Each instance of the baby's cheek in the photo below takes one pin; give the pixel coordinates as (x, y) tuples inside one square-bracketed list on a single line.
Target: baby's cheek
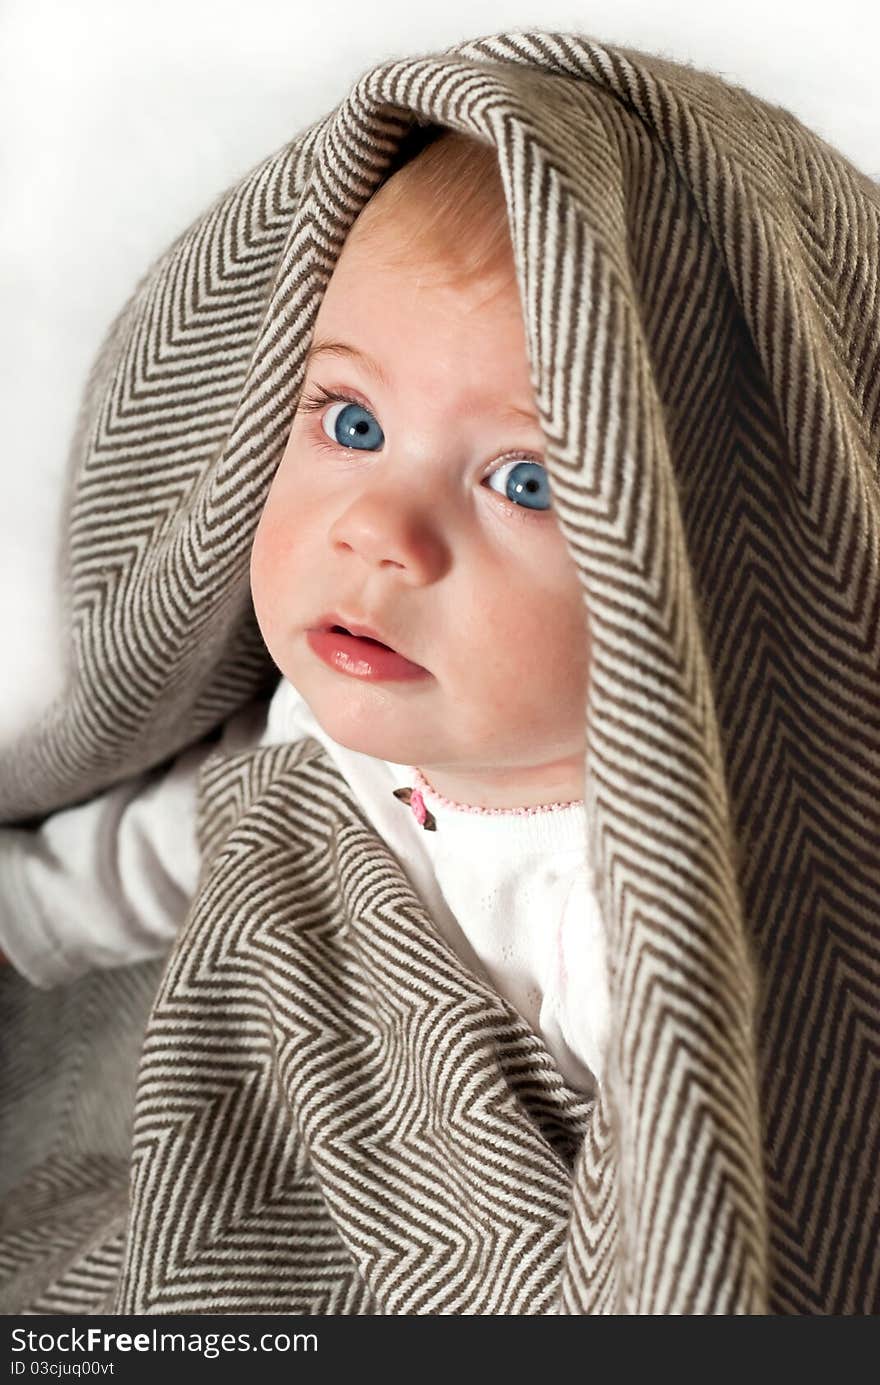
[(552, 653), (266, 567)]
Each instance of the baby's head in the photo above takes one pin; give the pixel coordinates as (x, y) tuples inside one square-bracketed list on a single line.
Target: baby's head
[(412, 499)]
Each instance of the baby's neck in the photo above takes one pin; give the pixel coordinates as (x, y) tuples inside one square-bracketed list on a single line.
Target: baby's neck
[(518, 787)]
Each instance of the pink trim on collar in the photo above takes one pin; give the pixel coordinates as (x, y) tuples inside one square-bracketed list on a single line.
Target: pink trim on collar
[(425, 789)]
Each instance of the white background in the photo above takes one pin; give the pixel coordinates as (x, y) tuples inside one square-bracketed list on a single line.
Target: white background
[(121, 121)]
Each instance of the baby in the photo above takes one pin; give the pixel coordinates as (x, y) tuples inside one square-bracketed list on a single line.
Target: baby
[(412, 500), (414, 589)]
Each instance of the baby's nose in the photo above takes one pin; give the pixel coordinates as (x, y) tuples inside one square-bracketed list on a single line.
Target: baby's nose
[(394, 530)]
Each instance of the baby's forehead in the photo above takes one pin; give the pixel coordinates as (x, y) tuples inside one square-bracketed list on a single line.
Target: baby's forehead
[(405, 228), (393, 249), (388, 239), (443, 212)]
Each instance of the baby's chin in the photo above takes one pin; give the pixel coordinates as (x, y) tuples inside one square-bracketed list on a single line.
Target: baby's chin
[(375, 723)]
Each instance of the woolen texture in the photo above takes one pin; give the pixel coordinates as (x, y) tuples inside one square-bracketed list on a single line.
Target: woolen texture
[(332, 1114)]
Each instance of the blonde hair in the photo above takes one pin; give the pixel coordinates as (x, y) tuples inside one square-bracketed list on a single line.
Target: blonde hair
[(450, 199)]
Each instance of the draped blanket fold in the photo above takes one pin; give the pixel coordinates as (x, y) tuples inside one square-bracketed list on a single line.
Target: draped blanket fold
[(332, 1114)]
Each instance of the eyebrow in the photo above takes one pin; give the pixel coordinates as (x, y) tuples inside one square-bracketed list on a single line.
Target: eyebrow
[(341, 348)]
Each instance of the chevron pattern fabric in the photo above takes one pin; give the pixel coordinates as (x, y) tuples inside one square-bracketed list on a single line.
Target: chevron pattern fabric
[(333, 1115)]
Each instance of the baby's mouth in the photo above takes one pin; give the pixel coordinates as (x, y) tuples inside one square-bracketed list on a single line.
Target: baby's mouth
[(367, 639), (358, 652)]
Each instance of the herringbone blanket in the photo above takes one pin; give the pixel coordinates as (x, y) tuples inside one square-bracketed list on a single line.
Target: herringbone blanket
[(333, 1115)]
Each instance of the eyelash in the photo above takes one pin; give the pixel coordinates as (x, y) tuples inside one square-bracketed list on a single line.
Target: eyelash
[(315, 403)]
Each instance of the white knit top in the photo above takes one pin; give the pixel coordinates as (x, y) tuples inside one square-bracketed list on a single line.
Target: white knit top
[(110, 881)]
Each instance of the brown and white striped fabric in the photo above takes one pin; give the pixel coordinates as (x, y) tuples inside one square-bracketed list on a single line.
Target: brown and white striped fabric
[(332, 1114)]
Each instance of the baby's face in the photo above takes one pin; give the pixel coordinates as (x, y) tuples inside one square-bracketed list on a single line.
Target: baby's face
[(420, 510)]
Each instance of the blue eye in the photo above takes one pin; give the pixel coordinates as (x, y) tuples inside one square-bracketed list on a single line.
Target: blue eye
[(526, 484), (352, 426)]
